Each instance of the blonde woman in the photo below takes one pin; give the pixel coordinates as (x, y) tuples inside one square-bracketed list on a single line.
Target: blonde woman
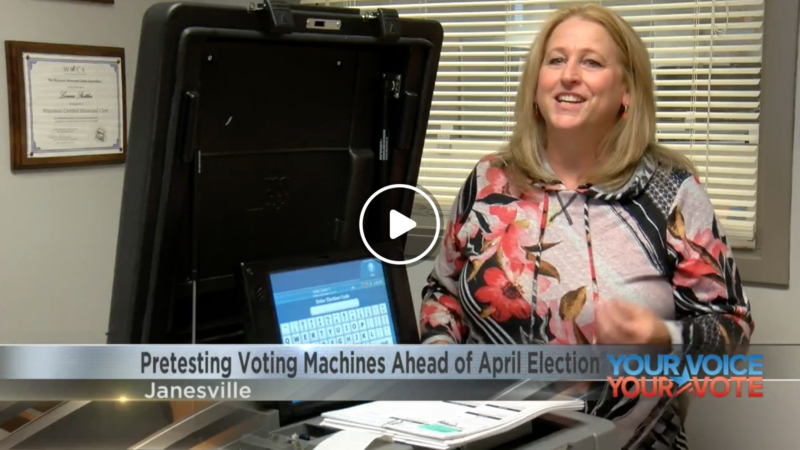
[(584, 230)]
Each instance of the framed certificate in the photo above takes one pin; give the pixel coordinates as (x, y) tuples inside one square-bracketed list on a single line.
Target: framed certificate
[(67, 105)]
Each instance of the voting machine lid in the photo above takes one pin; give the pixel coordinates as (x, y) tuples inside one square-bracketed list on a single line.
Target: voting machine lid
[(259, 131)]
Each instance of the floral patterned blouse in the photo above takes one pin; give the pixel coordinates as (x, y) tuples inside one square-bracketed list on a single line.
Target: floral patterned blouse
[(529, 268)]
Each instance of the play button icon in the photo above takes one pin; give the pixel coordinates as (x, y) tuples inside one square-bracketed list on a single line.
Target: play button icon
[(398, 224)]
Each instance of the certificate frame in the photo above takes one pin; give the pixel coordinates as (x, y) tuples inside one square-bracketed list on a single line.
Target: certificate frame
[(25, 156)]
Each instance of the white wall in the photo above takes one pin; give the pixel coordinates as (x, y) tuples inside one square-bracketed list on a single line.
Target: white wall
[(58, 229)]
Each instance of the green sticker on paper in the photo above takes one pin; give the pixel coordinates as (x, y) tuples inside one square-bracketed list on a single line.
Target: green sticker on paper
[(439, 428)]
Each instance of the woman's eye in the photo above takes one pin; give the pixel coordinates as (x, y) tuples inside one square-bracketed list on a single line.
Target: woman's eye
[(592, 63), (556, 60)]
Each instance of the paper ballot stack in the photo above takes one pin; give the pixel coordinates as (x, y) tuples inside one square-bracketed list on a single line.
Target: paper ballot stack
[(441, 425)]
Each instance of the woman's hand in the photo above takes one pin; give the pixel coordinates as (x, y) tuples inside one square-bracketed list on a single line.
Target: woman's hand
[(624, 323)]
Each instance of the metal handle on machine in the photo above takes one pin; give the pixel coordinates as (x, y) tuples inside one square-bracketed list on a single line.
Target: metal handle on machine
[(278, 14), (389, 21)]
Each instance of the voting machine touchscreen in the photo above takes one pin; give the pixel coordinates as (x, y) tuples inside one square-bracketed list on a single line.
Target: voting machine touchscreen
[(340, 298)]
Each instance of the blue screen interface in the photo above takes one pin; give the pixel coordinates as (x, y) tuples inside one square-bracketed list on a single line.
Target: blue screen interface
[(341, 303)]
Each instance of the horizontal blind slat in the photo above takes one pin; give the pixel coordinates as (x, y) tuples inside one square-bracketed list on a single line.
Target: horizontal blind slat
[(695, 71), (694, 94), (695, 60), (635, 6), (516, 21), (750, 127), (691, 50)]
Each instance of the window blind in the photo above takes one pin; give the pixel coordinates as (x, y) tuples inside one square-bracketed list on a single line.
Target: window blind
[(706, 60)]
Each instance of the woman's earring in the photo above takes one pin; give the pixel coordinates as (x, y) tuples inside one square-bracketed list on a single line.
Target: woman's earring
[(625, 111), (536, 110)]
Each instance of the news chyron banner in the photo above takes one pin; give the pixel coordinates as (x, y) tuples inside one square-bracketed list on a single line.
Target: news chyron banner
[(366, 372)]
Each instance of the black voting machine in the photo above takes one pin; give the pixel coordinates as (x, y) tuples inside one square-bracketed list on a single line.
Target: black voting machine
[(254, 136), (255, 139)]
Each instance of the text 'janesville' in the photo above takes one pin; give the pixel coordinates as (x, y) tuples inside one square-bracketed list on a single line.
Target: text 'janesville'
[(346, 363)]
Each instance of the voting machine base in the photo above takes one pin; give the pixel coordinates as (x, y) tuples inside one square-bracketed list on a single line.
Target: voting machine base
[(555, 431), (82, 425)]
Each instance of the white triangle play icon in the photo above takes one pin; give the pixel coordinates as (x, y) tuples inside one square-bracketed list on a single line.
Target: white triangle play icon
[(399, 224)]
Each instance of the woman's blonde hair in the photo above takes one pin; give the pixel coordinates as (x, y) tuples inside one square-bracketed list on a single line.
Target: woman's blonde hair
[(629, 140)]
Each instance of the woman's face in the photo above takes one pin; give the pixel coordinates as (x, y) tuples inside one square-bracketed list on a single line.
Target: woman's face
[(581, 79)]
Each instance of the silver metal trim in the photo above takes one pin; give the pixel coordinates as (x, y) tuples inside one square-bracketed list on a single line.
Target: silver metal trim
[(35, 426), (324, 24), (177, 431)]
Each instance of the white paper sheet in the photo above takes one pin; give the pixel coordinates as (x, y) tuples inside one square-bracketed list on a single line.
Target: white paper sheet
[(348, 440), (441, 425)]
